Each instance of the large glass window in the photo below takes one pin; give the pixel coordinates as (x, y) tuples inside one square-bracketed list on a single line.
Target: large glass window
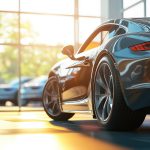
[(136, 8), (34, 32), (8, 63), (128, 3), (50, 30), (9, 5), (89, 7), (86, 27), (8, 28), (148, 8), (37, 61), (134, 12), (48, 6)]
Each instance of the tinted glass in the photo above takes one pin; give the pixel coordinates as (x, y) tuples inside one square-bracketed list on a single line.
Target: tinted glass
[(101, 37), (96, 42), (120, 31), (133, 27), (106, 35)]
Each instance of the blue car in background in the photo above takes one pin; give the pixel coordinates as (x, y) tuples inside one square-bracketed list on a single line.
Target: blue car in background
[(9, 92), (32, 90)]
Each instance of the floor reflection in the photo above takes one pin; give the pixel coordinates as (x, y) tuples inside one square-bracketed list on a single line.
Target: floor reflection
[(139, 139), (35, 130)]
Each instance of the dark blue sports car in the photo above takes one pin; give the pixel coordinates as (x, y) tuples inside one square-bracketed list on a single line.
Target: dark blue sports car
[(9, 92), (109, 76)]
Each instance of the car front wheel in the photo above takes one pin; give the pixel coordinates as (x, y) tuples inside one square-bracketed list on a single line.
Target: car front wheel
[(51, 101), (110, 107)]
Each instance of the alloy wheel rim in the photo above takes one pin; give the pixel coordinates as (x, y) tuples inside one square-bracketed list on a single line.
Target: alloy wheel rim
[(51, 98), (104, 91)]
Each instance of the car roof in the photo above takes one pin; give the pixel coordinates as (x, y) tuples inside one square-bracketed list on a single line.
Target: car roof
[(144, 20)]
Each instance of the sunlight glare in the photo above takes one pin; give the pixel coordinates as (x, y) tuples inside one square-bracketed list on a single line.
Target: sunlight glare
[(32, 141)]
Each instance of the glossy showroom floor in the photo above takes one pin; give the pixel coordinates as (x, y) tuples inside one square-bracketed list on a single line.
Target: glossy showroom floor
[(34, 130)]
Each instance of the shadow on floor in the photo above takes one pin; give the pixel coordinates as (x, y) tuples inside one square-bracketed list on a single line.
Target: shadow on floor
[(139, 139)]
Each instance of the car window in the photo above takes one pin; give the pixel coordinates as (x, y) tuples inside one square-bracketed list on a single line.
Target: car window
[(132, 27), (120, 31), (39, 80), (100, 37), (96, 42), (15, 82), (108, 34)]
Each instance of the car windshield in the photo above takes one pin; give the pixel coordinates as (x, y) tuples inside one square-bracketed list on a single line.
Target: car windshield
[(39, 80), (15, 82)]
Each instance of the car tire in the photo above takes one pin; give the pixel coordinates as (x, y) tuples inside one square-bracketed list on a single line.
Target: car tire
[(2, 103), (109, 104), (15, 100), (51, 101), (23, 102)]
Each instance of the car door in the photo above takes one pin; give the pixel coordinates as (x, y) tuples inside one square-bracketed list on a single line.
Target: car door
[(77, 81)]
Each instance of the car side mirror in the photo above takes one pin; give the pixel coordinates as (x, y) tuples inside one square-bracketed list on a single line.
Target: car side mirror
[(69, 51)]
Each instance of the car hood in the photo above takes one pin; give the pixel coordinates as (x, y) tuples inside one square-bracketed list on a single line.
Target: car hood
[(7, 86)]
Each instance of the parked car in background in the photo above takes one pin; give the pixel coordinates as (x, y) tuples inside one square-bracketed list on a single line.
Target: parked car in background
[(32, 90), (9, 92)]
